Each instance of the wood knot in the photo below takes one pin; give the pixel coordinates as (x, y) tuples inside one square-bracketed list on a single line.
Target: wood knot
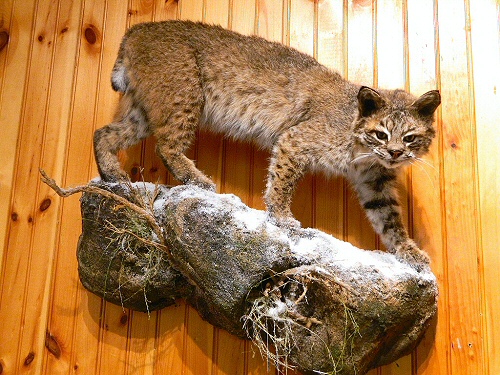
[(52, 345), (4, 39), (91, 34), (45, 204), (124, 319), (29, 358), (14, 216)]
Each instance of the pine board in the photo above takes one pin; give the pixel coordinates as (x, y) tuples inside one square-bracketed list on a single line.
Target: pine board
[(54, 91)]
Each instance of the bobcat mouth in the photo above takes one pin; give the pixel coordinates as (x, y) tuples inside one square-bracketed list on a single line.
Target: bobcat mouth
[(395, 163)]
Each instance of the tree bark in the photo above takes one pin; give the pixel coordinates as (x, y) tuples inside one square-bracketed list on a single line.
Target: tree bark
[(324, 304)]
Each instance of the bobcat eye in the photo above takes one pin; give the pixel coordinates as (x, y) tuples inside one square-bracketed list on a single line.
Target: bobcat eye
[(381, 135), (409, 138)]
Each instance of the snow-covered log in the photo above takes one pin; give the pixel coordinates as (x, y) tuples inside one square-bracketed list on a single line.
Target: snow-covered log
[(325, 305)]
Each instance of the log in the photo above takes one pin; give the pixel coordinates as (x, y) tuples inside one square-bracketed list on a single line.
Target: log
[(323, 304)]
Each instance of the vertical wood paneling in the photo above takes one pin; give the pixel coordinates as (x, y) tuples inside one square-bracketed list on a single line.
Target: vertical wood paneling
[(229, 352), (460, 190), (136, 159), (433, 354), (171, 322), (301, 29), (485, 35), (79, 332), (360, 68), (170, 340), (199, 342), (12, 87), (330, 49), (54, 91), (391, 73), (43, 125), (115, 321)]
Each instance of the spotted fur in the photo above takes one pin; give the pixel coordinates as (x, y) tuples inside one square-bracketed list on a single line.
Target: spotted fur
[(178, 75)]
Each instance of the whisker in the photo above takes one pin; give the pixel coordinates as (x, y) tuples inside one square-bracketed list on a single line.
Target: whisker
[(372, 164), (416, 161), (423, 161), (361, 156)]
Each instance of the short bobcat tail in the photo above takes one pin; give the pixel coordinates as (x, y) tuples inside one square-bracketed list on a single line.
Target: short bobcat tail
[(119, 76)]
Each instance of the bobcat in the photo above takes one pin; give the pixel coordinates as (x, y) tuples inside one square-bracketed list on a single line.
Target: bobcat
[(178, 75)]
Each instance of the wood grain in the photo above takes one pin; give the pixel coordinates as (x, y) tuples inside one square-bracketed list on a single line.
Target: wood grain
[(484, 16), (54, 91), (12, 83), (460, 190)]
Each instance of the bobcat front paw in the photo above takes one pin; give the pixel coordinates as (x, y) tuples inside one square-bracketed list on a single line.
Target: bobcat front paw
[(409, 253), (115, 176), (204, 183), (286, 222)]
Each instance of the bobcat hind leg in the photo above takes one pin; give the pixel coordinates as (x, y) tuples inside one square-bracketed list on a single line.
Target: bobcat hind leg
[(131, 128), (171, 150), (175, 137)]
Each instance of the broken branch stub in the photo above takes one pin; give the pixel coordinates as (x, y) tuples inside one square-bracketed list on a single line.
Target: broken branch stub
[(324, 304)]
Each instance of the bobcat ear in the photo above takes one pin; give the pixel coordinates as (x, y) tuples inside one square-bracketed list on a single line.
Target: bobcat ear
[(427, 103), (369, 101)]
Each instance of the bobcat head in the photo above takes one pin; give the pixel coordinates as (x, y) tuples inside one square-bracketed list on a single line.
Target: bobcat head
[(392, 127)]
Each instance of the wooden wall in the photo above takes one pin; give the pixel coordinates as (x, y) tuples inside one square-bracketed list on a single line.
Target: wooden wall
[(55, 90)]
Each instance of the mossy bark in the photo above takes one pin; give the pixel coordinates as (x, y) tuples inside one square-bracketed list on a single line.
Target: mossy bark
[(328, 306)]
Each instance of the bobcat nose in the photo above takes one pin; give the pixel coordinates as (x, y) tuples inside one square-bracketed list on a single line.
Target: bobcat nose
[(395, 153)]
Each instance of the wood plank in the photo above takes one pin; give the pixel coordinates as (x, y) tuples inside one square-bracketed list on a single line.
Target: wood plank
[(171, 328), (198, 344), (301, 27), (360, 68), (134, 158), (191, 10), (154, 170), (75, 313), (229, 356), (259, 159), (142, 334), (392, 74), (329, 192), (171, 338), (28, 262), (12, 87), (360, 60), (113, 340), (460, 198), (432, 354), (141, 349), (116, 322), (65, 39), (271, 15), (166, 10), (330, 40), (243, 16), (486, 68)]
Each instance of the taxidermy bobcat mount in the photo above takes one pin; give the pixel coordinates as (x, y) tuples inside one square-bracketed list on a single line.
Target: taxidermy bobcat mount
[(178, 75)]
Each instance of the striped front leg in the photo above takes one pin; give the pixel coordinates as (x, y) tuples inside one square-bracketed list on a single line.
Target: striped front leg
[(376, 188)]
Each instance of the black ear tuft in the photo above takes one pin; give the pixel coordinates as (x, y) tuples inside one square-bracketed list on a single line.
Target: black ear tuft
[(427, 103), (369, 101)]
